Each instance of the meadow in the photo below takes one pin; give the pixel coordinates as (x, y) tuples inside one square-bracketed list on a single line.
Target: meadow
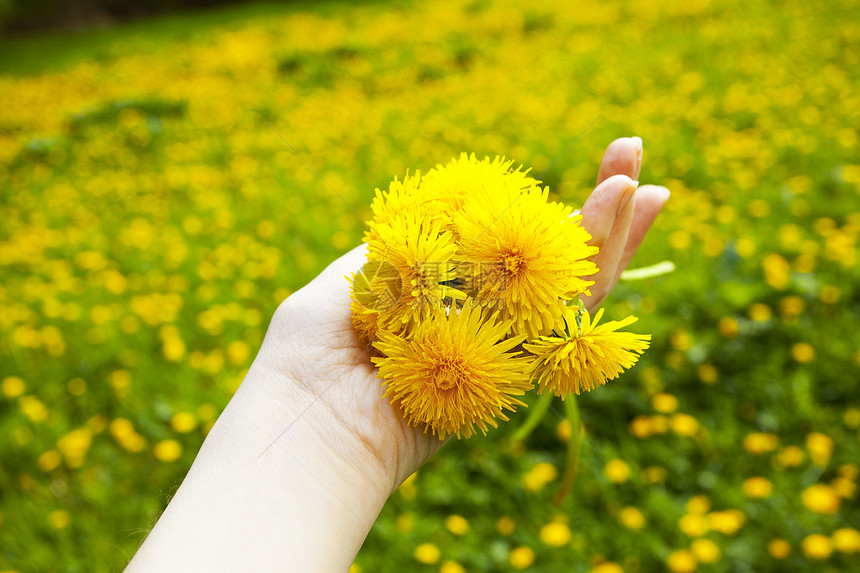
[(164, 185)]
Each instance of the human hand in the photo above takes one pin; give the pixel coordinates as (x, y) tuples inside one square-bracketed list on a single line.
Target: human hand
[(617, 214), (307, 451)]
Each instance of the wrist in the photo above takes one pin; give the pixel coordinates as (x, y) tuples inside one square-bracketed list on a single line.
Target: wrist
[(270, 468)]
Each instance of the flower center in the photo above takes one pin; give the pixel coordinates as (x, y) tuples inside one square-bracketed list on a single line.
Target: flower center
[(514, 261), (449, 375)]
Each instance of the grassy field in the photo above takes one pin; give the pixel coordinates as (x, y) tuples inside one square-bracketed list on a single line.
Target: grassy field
[(154, 214)]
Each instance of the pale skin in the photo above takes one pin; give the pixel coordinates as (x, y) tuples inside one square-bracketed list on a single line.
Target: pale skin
[(297, 468)]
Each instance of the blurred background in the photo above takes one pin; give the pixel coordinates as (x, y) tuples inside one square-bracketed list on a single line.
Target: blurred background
[(151, 220)]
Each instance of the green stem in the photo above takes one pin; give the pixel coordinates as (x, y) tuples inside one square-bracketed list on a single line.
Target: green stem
[(661, 268), (536, 414), (571, 469)]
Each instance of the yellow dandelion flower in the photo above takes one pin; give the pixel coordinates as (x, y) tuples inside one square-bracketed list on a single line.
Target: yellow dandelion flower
[(555, 533), (631, 518), (454, 372), (427, 553), (846, 540), (640, 426), (467, 177), (790, 456), (684, 424), (665, 403), (617, 471), (820, 448), (540, 475), (421, 253), (13, 386), (727, 522), (376, 286), (457, 524), (524, 255), (779, 548), (705, 550), (699, 504), (757, 487), (817, 546), (844, 487), (821, 498), (364, 322), (451, 567), (167, 450), (50, 460), (694, 524), (760, 443), (521, 557), (803, 352), (183, 422), (682, 561), (595, 355), (403, 196)]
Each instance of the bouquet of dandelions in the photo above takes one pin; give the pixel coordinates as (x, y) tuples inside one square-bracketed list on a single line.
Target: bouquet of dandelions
[(470, 298)]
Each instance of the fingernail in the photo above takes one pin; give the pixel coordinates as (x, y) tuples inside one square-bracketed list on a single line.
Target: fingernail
[(628, 195), (638, 142), (665, 193)]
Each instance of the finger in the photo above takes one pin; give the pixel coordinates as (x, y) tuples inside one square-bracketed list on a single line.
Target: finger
[(650, 200), (347, 264), (607, 215), (609, 257), (622, 157), (330, 288), (604, 204)]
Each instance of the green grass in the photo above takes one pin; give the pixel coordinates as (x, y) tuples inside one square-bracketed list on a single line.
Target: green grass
[(57, 51), (152, 220)]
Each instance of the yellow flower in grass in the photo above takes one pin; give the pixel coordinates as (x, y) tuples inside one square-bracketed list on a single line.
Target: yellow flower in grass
[(453, 372), (817, 546), (617, 471), (555, 533), (727, 522), (451, 567), (521, 557), (427, 553), (705, 550), (757, 487), (631, 518), (779, 548), (694, 524), (820, 448), (846, 540), (524, 256), (590, 357), (457, 524), (682, 561), (540, 475), (821, 498), (420, 252)]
